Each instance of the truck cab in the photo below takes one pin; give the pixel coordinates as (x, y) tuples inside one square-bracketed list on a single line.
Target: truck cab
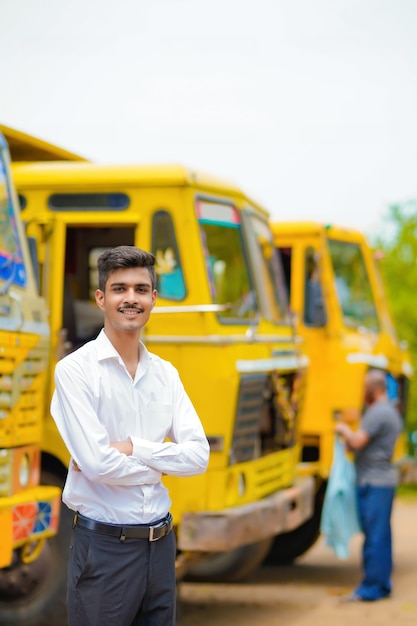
[(29, 511), (341, 312), (221, 318)]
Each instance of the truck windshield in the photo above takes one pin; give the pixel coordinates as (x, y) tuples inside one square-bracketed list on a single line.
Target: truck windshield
[(268, 271), (385, 312), (226, 262), (352, 285), (12, 269)]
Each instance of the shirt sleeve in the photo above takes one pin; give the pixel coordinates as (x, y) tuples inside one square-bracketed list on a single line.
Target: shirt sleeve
[(372, 422), (86, 439), (187, 452)]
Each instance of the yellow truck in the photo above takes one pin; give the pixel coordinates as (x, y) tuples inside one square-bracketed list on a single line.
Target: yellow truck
[(221, 318), (29, 512), (341, 312)]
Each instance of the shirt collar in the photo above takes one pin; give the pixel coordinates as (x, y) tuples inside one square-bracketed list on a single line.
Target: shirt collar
[(106, 350)]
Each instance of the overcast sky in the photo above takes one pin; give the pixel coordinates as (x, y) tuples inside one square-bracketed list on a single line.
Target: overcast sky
[(309, 105)]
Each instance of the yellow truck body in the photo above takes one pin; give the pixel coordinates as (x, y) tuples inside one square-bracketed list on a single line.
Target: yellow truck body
[(221, 319), (342, 314), (29, 511)]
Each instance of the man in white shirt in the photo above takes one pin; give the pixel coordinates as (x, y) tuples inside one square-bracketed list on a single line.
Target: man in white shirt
[(126, 420)]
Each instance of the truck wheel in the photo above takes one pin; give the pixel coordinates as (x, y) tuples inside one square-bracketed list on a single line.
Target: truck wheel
[(288, 546), (233, 566), (34, 594)]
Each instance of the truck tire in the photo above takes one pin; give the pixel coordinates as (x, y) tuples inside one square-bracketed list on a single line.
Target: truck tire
[(35, 594), (233, 566), (288, 546)]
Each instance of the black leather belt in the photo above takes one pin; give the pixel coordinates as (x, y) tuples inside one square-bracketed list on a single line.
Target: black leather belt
[(151, 533)]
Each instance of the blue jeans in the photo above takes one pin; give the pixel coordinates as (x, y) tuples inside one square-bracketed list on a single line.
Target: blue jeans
[(374, 507)]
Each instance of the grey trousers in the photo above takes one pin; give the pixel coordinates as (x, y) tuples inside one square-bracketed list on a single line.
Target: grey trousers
[(116, 583)]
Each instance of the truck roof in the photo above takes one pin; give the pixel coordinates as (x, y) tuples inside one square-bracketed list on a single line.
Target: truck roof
[(76, 176), (37, 163), (311, 228), (24, 147)]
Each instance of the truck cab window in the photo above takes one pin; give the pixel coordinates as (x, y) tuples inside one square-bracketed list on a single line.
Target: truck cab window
[(353, 286), (226, 263), (314, 311), (286, 258), (168, 268)]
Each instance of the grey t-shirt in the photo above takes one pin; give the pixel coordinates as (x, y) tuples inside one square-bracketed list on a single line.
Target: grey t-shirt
[(382, 422)]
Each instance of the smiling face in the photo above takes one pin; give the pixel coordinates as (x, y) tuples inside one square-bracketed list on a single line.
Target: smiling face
[(127, 300)]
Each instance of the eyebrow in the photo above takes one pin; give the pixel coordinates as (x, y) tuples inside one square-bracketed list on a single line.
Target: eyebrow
[(121, 284)]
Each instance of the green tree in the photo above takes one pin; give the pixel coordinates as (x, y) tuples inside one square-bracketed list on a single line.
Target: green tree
[(397, 240)]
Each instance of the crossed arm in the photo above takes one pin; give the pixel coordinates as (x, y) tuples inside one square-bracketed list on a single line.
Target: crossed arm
[(125, 447)]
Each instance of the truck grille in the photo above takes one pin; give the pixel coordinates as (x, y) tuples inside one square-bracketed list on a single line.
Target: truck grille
[(247, 438), (266, 414), (21, 390)]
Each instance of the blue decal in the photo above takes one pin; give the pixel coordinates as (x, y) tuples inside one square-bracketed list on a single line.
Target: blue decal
[(43, 519), (12, 268)]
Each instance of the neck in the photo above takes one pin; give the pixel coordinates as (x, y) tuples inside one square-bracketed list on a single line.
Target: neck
[(381, 398), (127, 345)]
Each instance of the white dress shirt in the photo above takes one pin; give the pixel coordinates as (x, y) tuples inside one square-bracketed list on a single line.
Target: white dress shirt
[(95, 402)]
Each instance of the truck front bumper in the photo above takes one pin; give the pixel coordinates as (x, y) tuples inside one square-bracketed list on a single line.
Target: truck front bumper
[(219, 531)]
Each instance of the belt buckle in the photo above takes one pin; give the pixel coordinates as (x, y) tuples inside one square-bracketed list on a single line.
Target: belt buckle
[(152, 531)]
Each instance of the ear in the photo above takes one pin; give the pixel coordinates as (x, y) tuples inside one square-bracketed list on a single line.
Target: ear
[(153, 298), (100, 299)]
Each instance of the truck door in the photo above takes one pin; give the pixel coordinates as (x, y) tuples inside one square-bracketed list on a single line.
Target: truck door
[(81, 317)]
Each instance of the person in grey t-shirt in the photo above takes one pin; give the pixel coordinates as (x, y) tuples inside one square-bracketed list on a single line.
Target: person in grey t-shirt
[(373, 444)]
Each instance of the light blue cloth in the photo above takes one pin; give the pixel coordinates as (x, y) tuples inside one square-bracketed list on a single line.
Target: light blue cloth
[(339, 517)]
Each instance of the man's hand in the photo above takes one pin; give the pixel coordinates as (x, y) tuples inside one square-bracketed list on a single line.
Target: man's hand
[(342, 429), (355, 439), (125, 447)]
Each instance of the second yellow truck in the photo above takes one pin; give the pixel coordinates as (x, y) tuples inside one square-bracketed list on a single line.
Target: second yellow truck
[(341, 312)]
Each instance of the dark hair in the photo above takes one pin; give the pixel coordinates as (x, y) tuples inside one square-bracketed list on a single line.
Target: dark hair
[(124, 256)]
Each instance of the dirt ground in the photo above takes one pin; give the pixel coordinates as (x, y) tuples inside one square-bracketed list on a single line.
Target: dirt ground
[(308, 593)]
